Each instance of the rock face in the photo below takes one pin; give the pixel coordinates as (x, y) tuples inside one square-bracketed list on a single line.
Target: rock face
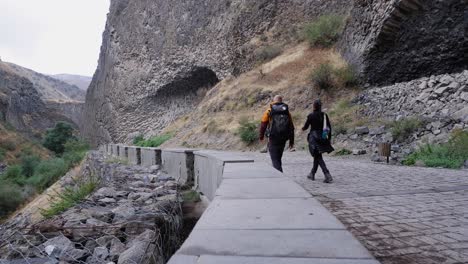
[(158, 55), (22, 107), (49, 88), (400, 40)]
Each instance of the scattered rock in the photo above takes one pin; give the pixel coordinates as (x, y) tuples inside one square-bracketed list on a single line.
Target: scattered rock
[(362, 130), (359, 151)]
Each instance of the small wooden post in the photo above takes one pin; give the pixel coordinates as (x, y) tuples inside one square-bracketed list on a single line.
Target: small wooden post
[(385, 150)]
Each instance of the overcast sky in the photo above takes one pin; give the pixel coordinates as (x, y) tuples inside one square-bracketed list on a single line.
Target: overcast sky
[(53, 36)]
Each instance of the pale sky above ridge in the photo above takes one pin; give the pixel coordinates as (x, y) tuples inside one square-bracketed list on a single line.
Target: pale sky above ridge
[(53, 36)]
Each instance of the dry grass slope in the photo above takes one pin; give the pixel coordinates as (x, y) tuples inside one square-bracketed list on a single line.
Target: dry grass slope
[(214, 123)]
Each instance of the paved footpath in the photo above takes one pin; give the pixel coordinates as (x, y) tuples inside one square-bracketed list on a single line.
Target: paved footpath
[(403, 215)]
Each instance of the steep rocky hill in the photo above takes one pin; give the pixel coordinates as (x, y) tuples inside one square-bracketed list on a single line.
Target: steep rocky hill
[(44, 98), (80, 81), (49, 88), (156, 55), (161, 60), (21, 105)]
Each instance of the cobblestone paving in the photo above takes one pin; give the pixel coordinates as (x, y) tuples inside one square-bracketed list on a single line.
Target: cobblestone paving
[(403, 215)]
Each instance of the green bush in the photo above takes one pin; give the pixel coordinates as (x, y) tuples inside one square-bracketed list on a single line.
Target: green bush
[(29, 164), (48, 172), (449, 155), (56, 137), (325, 31), (7, 145), (404, 128), (347, 76), (138, 139), (343, 152), (69, 198), (75, 151), (267, 53), (154, 142), (2, 154), (322, 76), (248, 131), (10, 198)]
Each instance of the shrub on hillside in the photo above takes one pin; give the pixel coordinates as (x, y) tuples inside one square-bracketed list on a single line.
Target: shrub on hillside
[(48, 172), (248, 131), (7, 144), (449, 155), (347, 76), (267, 53), (70, 197), (75, 151), (10, 198), (28, 164), (154, 142), (404, 128), (322, 76), (56, 137), (325, 31), (2, 154)]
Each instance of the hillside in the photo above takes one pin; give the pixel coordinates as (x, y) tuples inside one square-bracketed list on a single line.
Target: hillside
[(80, 81), (215, 121), (158, 59), (49, 88)]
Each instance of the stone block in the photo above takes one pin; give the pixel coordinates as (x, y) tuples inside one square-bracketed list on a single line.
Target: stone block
[(271, 260), (268, 214), (260, 188), (249, 171), (275, 243)]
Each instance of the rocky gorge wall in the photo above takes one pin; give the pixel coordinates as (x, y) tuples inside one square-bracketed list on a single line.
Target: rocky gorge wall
[(157, 56), (401, 40), (22, 107)]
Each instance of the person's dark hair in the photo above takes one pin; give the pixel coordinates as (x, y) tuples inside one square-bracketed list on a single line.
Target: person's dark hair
[(317, 105)]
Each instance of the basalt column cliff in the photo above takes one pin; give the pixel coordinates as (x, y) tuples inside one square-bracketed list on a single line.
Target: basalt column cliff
[(158, 55)]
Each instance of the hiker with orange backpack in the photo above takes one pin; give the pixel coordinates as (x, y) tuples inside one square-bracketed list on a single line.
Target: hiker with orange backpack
[(278, 126)]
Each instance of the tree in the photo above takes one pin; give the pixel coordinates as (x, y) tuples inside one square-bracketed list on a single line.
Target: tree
[(56, 138)]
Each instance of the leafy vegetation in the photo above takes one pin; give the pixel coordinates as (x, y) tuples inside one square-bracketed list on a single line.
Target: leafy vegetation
[(153, 142), (346, 76), (343, 152), (10, 198), (32, 172), (402, 129), (70, 197), (325, 77), (56, 137), (248, 130), (267, 53), (449, 155), (322, 76), (325, 31), (191, 196)]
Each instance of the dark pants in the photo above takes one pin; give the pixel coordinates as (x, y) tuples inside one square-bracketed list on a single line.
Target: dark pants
[(276, 150), (318, 161)]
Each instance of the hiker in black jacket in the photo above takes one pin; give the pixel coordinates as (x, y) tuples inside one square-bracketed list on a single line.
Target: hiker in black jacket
[(319, 139)]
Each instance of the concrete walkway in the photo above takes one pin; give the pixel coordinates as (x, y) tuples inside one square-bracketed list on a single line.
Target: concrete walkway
[(409, 215), (261, 216)]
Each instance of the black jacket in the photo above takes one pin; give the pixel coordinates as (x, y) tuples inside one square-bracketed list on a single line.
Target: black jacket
[(316, 143)]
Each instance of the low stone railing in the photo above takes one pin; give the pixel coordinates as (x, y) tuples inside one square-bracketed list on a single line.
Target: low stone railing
[(256, 214)]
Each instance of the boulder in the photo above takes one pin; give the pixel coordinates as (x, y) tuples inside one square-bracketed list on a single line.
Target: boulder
[(123, 212), (377, 130), (362, 130), (116, 248), (359, 151)]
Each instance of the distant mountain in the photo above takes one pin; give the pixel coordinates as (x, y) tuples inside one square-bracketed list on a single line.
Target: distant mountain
[(48, 88), (81, 81)]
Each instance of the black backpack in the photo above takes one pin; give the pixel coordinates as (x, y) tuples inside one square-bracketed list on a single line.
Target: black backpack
[(280, 122)]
